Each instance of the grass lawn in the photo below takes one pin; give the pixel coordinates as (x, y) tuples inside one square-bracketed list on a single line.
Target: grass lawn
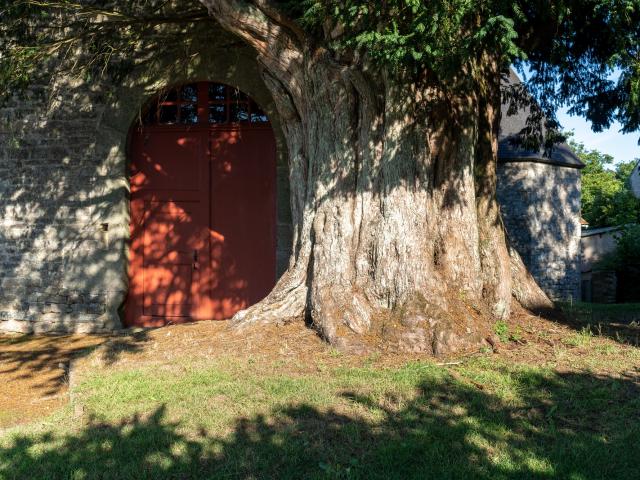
[(595, 313), (179, 405)]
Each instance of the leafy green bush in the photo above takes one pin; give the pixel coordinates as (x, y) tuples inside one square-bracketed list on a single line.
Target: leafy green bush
[(607, 199), (628, 248), (501, 329)]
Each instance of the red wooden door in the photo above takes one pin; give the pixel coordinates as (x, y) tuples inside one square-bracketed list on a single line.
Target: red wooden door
[(202, 217)]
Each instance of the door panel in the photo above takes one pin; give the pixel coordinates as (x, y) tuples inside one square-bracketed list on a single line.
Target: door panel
[(170, 272), (167, 290), (169, 253), (165, 161), (243, 214)]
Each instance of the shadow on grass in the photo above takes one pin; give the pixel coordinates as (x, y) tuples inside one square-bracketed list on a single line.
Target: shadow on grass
[(620, 322), (127, 343), (47, 357), (561, 425)]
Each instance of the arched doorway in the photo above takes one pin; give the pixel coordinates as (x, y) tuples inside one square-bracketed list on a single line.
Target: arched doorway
[(203, 206)]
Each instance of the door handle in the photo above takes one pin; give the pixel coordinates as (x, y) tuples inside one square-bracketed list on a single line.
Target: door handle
[(195, 260)]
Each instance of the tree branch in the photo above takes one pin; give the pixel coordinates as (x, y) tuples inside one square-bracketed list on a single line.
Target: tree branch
[(269, 33), (267, 7)]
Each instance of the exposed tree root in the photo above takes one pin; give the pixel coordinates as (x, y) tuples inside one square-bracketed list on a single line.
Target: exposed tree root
[(348, 321), (286, 303), (342, 317), (420, 326)]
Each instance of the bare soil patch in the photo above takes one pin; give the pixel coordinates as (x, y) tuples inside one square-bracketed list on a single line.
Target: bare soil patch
[(34, 373)]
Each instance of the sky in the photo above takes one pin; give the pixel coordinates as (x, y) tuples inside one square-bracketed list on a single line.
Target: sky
[(621, 147)]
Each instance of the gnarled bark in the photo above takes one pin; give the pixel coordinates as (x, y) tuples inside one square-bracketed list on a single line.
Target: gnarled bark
[(398, 239)]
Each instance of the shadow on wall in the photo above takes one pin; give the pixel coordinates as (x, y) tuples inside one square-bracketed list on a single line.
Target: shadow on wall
[(560, 426), (61, 213), (64, 211), (541, 209)]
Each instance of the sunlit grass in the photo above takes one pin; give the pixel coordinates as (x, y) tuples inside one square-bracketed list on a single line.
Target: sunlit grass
[(581, 338), (235, 418)]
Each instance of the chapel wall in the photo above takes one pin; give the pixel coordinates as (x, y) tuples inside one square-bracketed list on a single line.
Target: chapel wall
[(540, 205), (64, 190)]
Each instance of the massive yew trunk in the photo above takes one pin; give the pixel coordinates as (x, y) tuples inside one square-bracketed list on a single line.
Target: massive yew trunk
[(398, 239)]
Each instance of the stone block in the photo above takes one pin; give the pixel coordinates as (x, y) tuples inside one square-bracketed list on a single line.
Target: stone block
[(16, 326), (94, 308)]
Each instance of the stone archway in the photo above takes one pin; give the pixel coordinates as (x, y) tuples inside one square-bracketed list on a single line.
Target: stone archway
[(67, 208), (124, 108)]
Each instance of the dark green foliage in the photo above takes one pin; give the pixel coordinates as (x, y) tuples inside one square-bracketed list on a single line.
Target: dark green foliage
[(607, 199), (444, 38), (625, 261), (627, 252), (571, 48), (575, 47), (628, 246)]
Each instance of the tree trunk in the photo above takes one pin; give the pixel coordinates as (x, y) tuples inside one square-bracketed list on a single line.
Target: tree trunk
[(398, 240)]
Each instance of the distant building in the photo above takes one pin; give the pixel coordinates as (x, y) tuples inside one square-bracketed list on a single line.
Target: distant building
[(595, 244), (634, 179), (540, 198)]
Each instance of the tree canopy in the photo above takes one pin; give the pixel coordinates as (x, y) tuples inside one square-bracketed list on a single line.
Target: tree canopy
[(571, 49), (607, 199)]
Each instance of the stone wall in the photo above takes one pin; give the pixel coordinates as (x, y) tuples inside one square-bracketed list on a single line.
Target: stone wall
[(540, 204), (64, 208), (59, 185)]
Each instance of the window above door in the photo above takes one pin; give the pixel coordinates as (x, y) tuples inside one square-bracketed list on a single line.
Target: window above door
[(203, 103)]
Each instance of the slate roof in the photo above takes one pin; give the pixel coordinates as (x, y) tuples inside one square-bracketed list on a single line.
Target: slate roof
[(510, 125), (561, 155), (588, 232)]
